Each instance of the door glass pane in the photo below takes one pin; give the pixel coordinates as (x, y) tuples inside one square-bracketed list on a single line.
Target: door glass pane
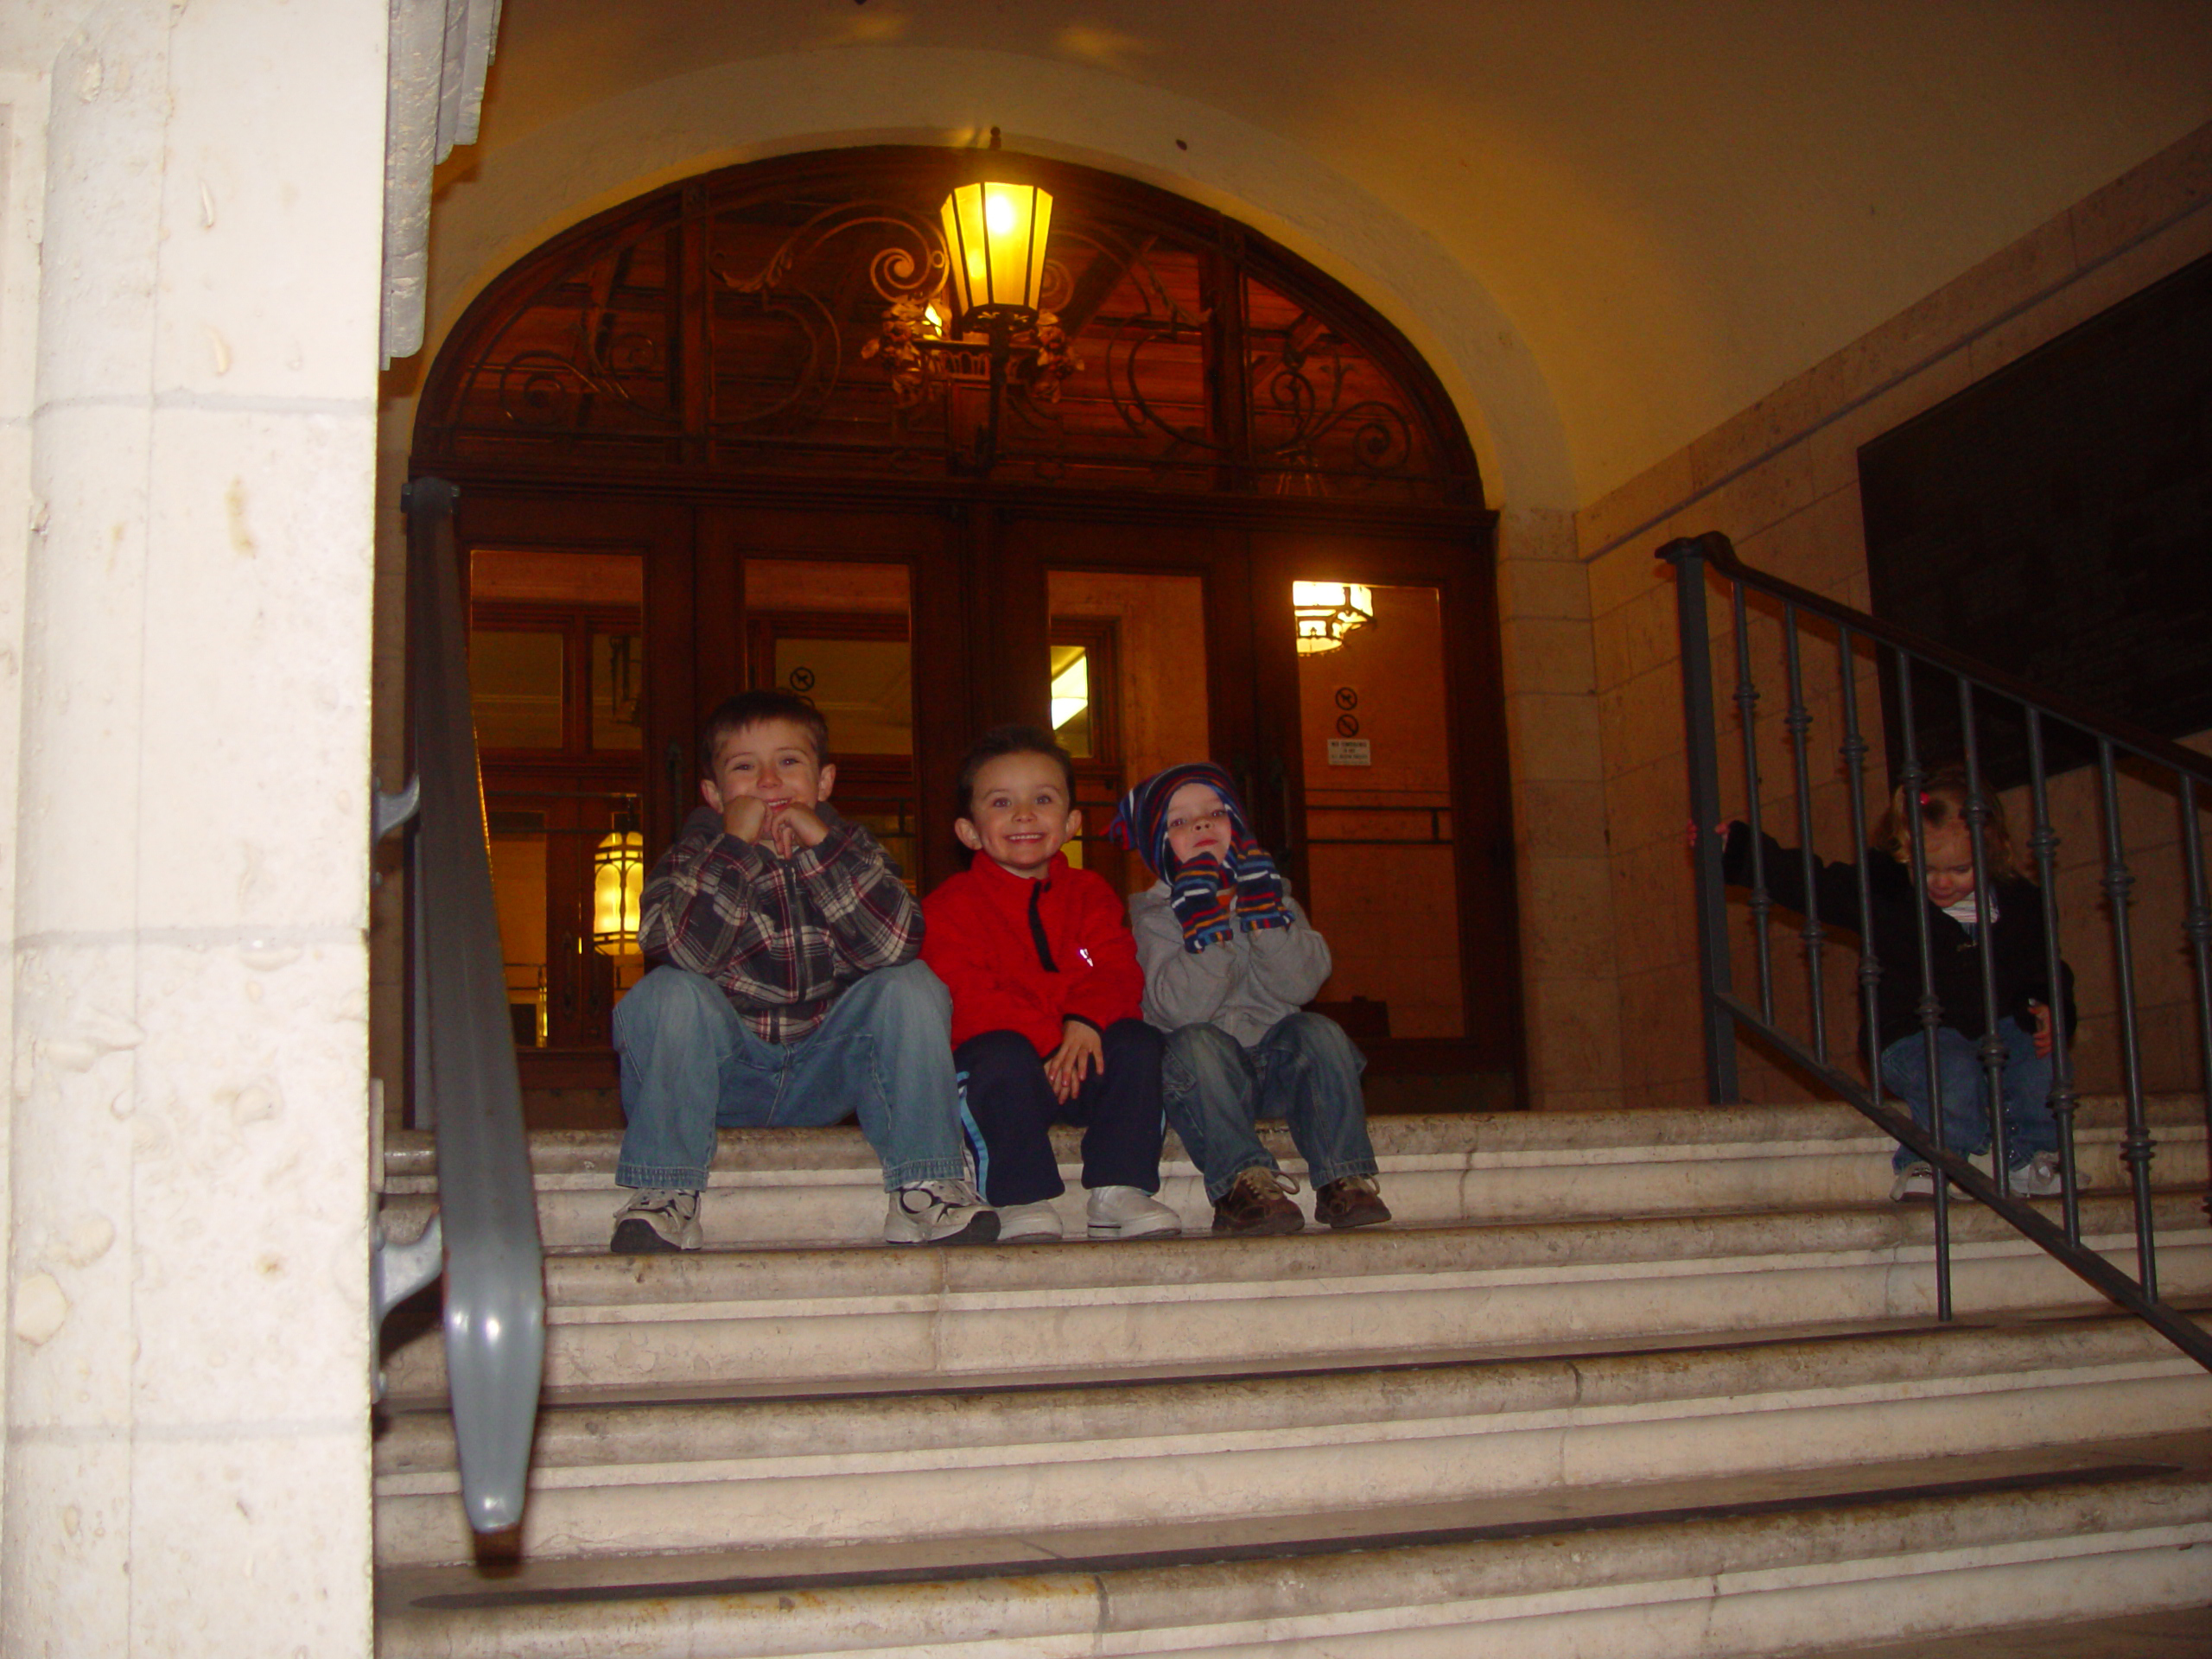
[(519, 876), (1378, 820), (515, 683), (836, 634), (864, 688), (618, 685), (1128, 693)]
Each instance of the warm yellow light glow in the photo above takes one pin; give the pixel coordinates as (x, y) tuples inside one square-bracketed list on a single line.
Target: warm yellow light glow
[(618, 887), (995, 236), (1327, 611), (1070, 691)]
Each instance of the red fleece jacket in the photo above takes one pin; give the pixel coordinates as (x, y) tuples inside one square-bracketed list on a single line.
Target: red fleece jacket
[(981, 937)]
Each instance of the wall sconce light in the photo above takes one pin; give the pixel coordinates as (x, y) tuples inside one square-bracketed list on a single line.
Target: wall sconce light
[(618, 889), (999, 337), (1327, 611)]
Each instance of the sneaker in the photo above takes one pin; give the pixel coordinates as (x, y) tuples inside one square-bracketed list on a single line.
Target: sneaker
[(2039, 1177), (1915, 1180), (1350, 1201), (1129, 1212), (655, 1220), (939, 1212), (1257, 1205), (1029, 1223)]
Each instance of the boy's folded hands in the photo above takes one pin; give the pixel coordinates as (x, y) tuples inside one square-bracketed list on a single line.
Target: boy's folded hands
[(1202, 897)]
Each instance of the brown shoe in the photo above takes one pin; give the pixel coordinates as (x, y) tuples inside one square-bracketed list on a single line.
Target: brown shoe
[(1350, 1201), (1256, 1207)]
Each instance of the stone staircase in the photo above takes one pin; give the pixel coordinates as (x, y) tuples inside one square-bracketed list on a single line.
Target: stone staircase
[(1636, 1383)]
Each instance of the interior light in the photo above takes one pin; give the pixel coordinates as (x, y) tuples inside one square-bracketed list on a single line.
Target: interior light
[(1071, 691), (617, 890), (1327, 611)]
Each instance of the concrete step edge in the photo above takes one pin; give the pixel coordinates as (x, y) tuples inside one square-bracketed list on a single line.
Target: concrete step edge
[(1282, 1593)]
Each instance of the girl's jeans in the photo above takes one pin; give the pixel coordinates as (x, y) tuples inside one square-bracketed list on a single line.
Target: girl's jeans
[(1305, 1069), (2029, 1125)]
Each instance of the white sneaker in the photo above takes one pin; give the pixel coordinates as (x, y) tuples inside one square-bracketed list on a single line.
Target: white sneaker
[(1029, 1223), (1129, 1212), (2039, 1177), (939, 1212), (655, 1220), (1915, 1180)]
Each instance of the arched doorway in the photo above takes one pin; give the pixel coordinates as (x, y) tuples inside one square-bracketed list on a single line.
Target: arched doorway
[(700, 449)]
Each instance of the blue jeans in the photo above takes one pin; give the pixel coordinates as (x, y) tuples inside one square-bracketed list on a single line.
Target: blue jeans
[(689, 1064), (2029, 1127), (1305, 1069)]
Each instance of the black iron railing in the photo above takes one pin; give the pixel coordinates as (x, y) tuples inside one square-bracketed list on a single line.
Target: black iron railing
[(464, 1077), (1914, 665)]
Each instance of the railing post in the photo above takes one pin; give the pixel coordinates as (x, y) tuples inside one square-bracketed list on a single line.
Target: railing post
[(1702, 741)]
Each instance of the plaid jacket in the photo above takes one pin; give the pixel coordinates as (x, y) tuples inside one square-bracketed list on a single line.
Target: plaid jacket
[(783, 937)]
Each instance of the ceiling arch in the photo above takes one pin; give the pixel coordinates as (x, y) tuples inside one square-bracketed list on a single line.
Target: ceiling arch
[(1610, 225)]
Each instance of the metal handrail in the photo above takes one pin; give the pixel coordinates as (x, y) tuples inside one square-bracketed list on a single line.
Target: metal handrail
[(1725, 1013), (464, 1062)]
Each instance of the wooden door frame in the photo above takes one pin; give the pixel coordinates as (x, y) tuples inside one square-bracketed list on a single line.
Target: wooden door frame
[(978, 559)]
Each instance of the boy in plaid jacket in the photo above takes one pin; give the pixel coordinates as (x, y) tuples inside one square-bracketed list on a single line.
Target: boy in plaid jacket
[(785, 992)]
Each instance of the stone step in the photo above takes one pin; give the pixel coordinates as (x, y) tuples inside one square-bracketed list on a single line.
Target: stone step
[(797, 1316), (1714, 1569), (782, 1186), (629, 1477)]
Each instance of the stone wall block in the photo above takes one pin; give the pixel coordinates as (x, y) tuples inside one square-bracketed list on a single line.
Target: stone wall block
[(1549, 654), (250, 1075), (1628, 512), (219, 1511), (281, 575), (1777, 420), (310, 231), (1554, 738), (1637, 637), (1561, 819), (2173, 182), (1649, 802), (1538, 587), (1631, 569), (1540, 533), (1568, 906), (76, 1014), (68, 1582), (2101, 285), (1574, 1034), (83, 605), (99, 265)]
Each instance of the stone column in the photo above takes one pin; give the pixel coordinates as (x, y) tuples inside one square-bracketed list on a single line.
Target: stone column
[(186, 1461)]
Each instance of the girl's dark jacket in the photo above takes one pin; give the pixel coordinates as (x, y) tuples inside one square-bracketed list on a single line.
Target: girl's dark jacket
[(1955, 949)]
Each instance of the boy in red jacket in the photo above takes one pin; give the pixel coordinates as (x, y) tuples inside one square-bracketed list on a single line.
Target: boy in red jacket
[(1047, 1021)]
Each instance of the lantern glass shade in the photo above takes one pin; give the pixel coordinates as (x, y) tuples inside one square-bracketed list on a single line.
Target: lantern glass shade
[(618, 887), (995, 237), (1327, 611)]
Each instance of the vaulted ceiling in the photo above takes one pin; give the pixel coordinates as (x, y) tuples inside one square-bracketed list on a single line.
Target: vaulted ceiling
[(1611, 223)]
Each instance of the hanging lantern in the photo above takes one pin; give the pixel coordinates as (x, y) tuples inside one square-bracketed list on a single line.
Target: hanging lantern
[(1327, 611), (617, 888), (995, 237)]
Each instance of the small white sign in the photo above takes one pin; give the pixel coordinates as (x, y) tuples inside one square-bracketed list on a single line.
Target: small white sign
[(1349, 752)]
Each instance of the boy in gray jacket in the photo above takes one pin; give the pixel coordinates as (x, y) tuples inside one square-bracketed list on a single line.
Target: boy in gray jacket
[(1229, 957)]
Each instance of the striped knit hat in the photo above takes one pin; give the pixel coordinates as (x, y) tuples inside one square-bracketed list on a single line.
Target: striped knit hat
[(1140, 821)]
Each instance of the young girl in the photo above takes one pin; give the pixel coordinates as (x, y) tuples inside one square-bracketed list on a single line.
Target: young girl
[(1229, 957), (2006, 917)]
